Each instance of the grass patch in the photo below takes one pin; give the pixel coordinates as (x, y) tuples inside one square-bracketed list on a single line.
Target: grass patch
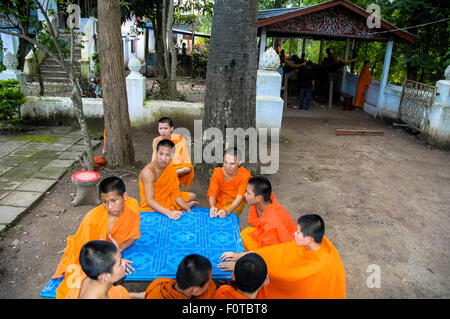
[(285, 140), (22, 138), (45, 139)]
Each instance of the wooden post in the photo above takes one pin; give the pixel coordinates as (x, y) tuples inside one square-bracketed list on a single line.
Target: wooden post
[(321, 51), (384, 77), (290, 47), (285, 92), (330, 95), (303, 46)]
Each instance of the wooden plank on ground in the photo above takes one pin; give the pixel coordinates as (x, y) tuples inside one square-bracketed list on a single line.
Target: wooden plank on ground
[(358, 132)]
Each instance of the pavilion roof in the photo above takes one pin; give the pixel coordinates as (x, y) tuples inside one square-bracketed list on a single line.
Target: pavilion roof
[(331, 20)]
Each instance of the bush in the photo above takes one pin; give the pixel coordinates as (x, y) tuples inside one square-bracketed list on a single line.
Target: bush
[(199, 61), (11, 99)]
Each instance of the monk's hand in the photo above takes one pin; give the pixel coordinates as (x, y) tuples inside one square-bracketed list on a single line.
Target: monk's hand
[(227, 266), (192, 203), (213, 212), (114, 242), (175, 214), (222, 213), (128, 263), (230, 256)]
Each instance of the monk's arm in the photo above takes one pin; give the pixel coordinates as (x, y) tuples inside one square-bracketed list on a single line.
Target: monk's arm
[(180, 201), (155, 142), (137, 295), (212, 201), (183, 171), (237, 201), (148, 179), (292, 65), (127, 243)]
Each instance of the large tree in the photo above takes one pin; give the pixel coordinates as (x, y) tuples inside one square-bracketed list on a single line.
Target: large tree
[(230, 97), (119, 146)]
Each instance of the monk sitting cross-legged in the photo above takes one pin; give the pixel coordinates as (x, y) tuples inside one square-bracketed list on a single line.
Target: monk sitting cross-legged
[(159, 185), (249, 277), (227, 186), (116, 219), (271, 222), (181, 159), (193, 281), (308, 267), (103, 270)]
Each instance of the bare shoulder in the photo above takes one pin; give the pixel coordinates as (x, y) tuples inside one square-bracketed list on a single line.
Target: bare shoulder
[(148, 173)]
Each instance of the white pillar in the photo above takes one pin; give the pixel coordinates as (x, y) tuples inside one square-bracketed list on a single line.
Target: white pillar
[(384, 77), (303, 46), (262, 47), (269, 105), (10, 61), (135, 91), (344, 71)]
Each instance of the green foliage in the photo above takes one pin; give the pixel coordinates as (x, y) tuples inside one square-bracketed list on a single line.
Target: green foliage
[(96, 58), (199, 60), (11, 99)]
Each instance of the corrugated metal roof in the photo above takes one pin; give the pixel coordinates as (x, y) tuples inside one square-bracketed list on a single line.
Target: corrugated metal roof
[(270, 13)]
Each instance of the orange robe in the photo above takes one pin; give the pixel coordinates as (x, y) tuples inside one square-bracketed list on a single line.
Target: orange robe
[(230, 292), (298, 273), (181, 158), (94, 226), (225, 192), (275, 226), (363, 83), (165, 190), (115, 292), (163, 288)]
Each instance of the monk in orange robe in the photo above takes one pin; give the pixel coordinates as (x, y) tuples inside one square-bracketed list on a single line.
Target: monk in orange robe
[(181, 159), (227, 186), (103, 268), (308, 267), (193, 281), (271, 222), (249, 276), (159, 185), (116, 219), (363, 83)]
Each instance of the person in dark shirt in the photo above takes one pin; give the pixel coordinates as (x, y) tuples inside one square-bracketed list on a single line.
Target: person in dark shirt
[(306, 79)]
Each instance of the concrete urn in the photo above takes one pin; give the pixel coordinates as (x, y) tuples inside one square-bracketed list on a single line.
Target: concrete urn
[(134, 65), (10, 61), (269, 60), (447, 73)]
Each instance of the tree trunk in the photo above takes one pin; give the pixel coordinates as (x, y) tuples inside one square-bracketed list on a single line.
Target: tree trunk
[(230, 97), (119, 146), (159, 43), (173, 52)]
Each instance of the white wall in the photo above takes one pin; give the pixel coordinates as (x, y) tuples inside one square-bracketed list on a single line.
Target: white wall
[(390, 102)]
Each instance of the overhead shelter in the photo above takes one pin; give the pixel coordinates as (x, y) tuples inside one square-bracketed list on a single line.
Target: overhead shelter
[(333, 20)]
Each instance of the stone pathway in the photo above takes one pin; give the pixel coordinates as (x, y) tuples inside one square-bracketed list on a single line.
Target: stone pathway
[(30, 164)]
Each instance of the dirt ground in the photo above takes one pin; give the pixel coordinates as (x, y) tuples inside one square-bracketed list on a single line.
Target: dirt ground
[(385, 201)]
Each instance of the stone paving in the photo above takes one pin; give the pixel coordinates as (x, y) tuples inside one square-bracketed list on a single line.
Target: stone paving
[(30, 164)]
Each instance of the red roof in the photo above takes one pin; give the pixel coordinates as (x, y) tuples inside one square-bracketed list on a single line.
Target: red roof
[(353, 14)]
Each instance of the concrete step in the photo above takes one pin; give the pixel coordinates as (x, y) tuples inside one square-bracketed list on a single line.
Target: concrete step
[(58, 74), (53, 80)]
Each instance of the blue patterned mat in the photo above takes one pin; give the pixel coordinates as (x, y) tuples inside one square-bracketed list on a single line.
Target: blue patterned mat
[(165, 242)]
